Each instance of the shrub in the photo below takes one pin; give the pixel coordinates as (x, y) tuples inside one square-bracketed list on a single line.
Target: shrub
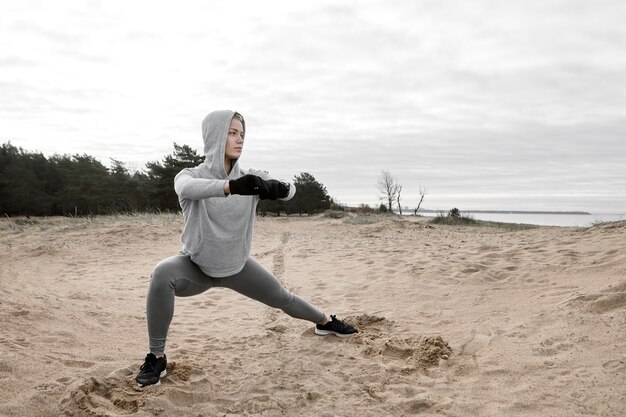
[(454, 217), (365, 209), (335, 214), (455, 213)]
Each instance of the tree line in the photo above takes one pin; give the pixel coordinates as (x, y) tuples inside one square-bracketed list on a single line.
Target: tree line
[(77, 185)]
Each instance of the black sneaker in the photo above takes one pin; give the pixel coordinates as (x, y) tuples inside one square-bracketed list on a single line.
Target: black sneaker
[(152, 370), (336, 327)]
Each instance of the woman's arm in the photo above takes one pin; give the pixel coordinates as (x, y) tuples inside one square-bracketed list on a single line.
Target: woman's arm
[(188, 186), (267, 177)]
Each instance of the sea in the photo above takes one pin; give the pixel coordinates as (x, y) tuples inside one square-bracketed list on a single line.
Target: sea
[(543, 219)]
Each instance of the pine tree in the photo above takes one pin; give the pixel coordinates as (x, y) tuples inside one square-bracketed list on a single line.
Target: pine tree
[(161, 176), (311, 195)]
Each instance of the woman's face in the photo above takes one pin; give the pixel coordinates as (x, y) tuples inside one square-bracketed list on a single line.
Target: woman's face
[(234, 143)]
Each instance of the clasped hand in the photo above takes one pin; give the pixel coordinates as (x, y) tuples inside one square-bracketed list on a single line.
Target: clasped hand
[(254, 185)]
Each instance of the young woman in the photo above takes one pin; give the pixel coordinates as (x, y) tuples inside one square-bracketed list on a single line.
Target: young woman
[(219, 202)]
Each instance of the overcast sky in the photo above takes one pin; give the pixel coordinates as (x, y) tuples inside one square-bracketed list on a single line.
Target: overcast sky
[(487, 104)]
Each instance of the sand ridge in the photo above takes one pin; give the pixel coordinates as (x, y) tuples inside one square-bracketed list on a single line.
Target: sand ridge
[(455, 321)]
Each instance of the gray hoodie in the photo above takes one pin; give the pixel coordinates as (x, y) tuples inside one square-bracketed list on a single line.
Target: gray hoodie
[(218, 228)]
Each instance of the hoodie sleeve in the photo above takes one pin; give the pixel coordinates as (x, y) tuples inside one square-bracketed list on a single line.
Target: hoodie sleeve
[(188, 186), (266, 176)]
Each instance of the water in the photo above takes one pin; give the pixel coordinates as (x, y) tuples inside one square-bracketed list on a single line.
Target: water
[(566, 220)]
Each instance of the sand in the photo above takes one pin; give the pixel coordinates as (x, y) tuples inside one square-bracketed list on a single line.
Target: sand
[(455, 321)]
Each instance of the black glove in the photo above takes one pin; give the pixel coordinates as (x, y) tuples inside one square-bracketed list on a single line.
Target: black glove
[(274, 190), (247, 185)]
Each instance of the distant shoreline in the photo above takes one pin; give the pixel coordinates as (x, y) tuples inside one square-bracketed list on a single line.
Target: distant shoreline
[(411, 210), (511, 212)]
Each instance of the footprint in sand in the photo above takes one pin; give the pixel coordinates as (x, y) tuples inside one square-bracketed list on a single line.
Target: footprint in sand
[(475, 344), (378, 340), (77, 364), (279, 257), (118, 394), (615, 365), (611, 298), (553, 346), (99, 396)]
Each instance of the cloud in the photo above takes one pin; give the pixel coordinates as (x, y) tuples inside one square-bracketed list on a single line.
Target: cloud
[(467, 98), (16, 61)]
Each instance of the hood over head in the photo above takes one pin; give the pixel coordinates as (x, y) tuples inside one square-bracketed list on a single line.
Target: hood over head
[(215, 133)]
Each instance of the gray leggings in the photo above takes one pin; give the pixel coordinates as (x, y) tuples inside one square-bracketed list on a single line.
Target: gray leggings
[(179, 276)]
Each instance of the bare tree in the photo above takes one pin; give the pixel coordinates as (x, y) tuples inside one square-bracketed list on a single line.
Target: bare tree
[(399, 187), (423, 192), (388, 186)]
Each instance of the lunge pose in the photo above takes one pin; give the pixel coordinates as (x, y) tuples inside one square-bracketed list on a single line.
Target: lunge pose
[(219, 202)]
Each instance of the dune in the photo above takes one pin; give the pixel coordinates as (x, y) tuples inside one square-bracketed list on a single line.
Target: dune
[(455, 321)]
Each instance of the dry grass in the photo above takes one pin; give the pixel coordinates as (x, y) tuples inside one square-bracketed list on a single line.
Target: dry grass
[(20, 224)]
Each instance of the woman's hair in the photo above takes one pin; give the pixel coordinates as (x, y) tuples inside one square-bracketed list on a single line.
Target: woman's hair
[(238, 116), (243, 123)]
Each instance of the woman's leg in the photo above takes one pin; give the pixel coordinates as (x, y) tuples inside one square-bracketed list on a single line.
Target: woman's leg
[(258, 283), (174, 276)]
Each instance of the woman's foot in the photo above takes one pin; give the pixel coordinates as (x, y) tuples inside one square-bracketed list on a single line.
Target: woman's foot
[(336, 327), (152, 370)]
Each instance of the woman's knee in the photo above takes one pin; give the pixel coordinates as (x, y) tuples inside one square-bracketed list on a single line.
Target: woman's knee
[(163, 275)]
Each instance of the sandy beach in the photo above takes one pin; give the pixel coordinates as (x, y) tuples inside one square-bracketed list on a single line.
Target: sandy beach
[(455, 321)]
